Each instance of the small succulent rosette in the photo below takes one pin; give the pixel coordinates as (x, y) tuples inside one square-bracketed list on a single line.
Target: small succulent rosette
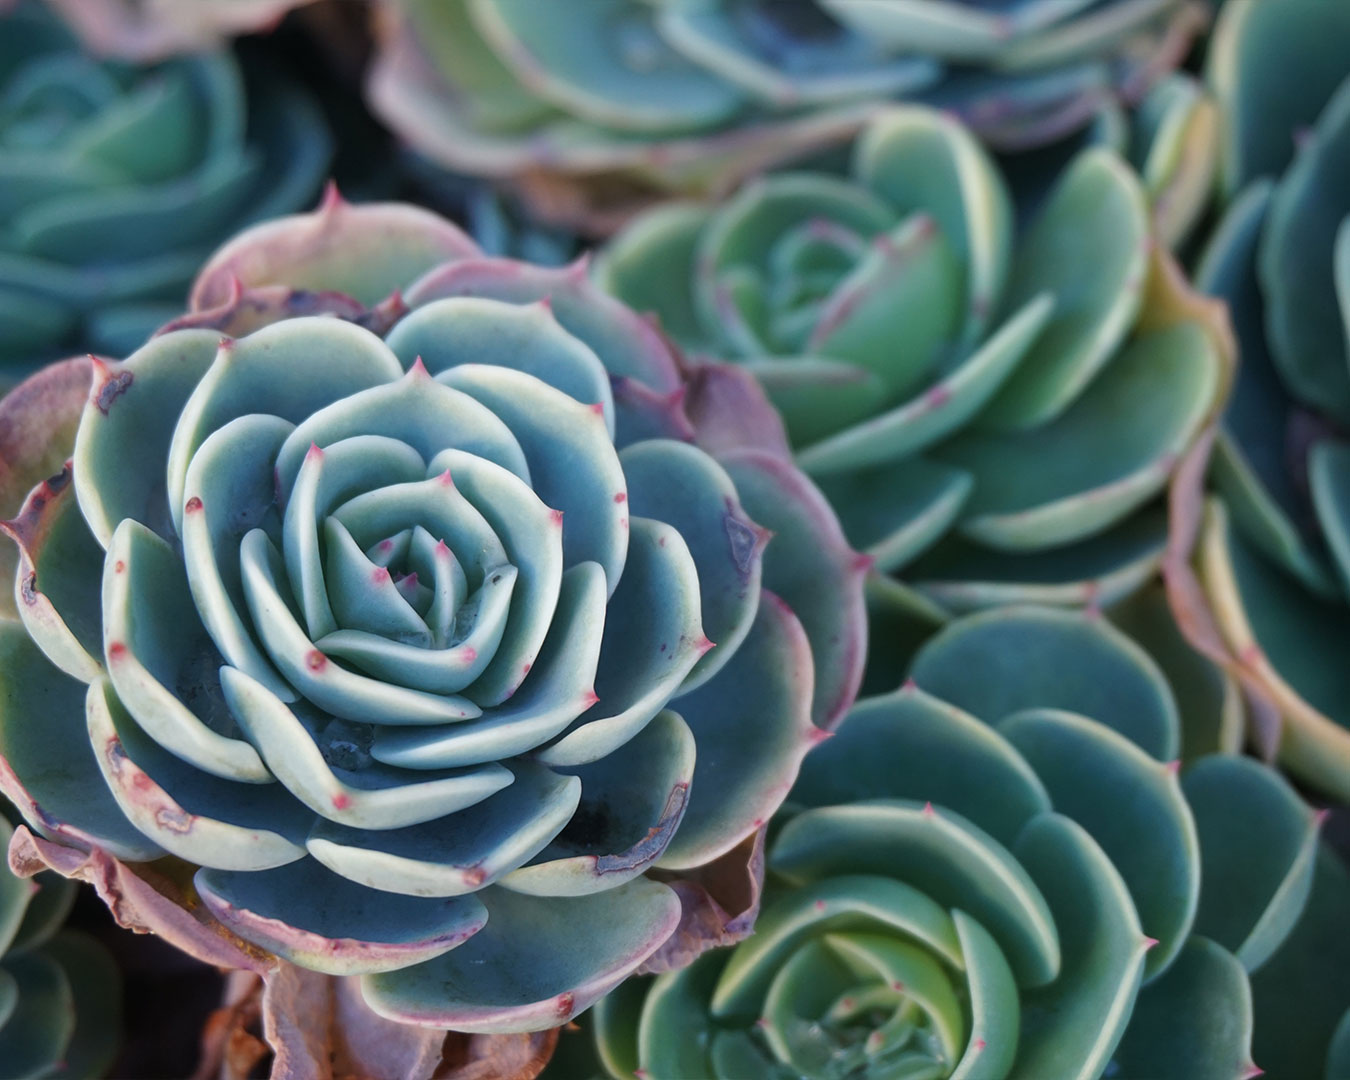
[(144, 31), (993, 411), (1003, 870), (60, 992), (596, 106), (462, 643), (1268, 587), (117, 182)]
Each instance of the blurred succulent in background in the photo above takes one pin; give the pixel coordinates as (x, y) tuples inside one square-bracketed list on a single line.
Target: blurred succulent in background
[(1268, 594), (1001, 870), (60, 997), (596, 106), (116, 182), (465, 641), (148, 30), (992, 415)]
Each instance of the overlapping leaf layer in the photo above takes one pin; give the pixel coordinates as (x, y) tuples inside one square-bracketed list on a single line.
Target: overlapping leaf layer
[(634, 96), (1272, 555)]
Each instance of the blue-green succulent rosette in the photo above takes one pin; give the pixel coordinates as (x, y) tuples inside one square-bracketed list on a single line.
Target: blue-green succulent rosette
[(598, 105), (1011, 867), (993, 407), (116, 182), (60, 991), (427, 611)]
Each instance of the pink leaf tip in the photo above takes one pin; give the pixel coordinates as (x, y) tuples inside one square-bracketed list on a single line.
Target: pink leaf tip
[(332, 200)]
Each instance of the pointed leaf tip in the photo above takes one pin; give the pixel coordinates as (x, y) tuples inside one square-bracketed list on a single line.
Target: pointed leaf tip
[(332, 199)]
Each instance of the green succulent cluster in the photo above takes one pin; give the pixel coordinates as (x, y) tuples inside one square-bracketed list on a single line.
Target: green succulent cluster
[(631, 97), (1273, 555), (117, 181), (420, 617), (1003, 870), (992, 411), (60, 1000)]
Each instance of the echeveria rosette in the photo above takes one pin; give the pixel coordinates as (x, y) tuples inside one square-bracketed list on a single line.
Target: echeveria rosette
[(427, 632), (1271, 557), (60, 991), (1002, 870), (992, 414), (117, 182), (599, 105)]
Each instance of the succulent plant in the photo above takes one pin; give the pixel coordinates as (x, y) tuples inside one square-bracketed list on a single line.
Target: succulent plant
[(1000, 869), (1020, 397), (595, 106), (1268, 592), (60, 1002), (119, 181), (443, 640), (149, 30)]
